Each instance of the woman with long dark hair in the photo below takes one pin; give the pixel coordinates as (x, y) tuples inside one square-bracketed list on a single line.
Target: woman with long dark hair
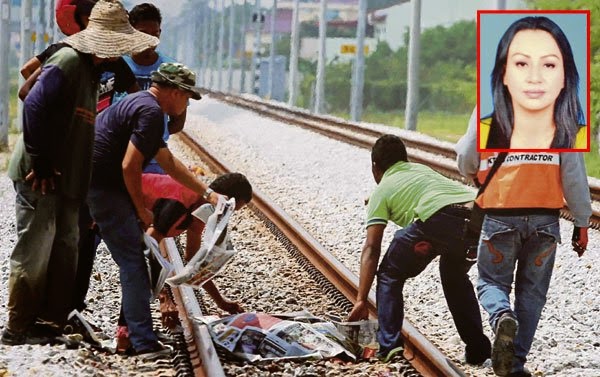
[(534, 88)]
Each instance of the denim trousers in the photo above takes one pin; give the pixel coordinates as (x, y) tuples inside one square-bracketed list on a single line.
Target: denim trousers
[(529, 244), (411, 250), (116, 218), (44, 260)]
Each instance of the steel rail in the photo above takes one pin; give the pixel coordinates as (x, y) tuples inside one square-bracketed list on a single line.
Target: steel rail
[(440, 157), (422, 354), (203, 355), (330, 125)]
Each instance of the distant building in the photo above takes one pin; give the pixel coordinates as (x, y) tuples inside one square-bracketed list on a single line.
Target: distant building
[(339, 50), (391, 23), (341, 14)]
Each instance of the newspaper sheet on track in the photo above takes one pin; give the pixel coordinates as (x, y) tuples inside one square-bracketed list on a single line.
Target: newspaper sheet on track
[(260, 336)]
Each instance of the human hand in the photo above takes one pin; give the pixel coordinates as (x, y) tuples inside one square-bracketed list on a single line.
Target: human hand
[(579, 240), (42, 181), (213, 198), (146, 218), (359, 312), (197, 170)]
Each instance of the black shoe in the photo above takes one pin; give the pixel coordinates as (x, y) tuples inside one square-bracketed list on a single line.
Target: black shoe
[(503, 351), (10, 338), (478, 355)]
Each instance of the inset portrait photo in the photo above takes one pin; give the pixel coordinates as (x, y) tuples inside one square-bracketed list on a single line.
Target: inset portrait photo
[(533, 80)]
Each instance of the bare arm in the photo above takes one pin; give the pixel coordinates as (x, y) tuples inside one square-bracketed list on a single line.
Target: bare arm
[(30, 66), (368, 267), (28, 84), (179, 172), (193, 238), (231, 307), (176, 122), (132, 175)]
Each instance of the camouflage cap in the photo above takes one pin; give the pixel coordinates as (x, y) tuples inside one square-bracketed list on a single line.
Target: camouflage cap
[(179, 75)]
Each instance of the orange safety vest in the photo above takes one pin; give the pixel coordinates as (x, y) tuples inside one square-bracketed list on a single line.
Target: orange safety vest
[(524, 180)]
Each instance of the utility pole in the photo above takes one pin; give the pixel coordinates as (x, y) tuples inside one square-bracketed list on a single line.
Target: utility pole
[(231, 47), (294, 48), (196, 24), (211, 44), (320, 84), (257, 18), (243, 44), (500, 4), (56, 33), (26, 50), (4, 75), (204, 61), (49, 35), (40, 27), (412, 93), (272, 53), (356, 94), (186, 30), (221, 47)]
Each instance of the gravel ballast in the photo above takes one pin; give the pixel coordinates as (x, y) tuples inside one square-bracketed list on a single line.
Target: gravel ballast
[(323, 184)]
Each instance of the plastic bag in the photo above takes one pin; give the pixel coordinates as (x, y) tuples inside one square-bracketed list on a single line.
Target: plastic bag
[(159, 268), (216, 250)]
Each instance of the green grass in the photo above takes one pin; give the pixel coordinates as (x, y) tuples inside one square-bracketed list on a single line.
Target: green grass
[(592, 161), (450, 127), (13, 87)]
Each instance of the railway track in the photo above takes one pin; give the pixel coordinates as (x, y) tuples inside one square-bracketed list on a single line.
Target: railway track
[(425, 357), (422, 149)]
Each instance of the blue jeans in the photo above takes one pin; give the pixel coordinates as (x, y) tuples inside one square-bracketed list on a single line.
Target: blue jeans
[(411, 250), (44, 260), (115, 215), (529, 242)]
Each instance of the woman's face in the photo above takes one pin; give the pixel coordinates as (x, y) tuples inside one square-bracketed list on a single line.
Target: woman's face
[(534, 71)]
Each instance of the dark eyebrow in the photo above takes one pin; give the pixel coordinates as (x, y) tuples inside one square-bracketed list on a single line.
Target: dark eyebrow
[(529, 57)]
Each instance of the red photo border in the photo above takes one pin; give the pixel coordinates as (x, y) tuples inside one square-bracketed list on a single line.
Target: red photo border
[(587, 84)]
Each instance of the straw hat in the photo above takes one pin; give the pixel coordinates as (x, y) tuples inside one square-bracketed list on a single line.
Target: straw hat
[(109, 34)]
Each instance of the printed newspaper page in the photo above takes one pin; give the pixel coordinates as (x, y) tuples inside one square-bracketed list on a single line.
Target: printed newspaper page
[(260, 336)]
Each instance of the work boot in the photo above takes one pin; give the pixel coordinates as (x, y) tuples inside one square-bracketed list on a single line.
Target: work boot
[(503, 350), (10, 338)]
